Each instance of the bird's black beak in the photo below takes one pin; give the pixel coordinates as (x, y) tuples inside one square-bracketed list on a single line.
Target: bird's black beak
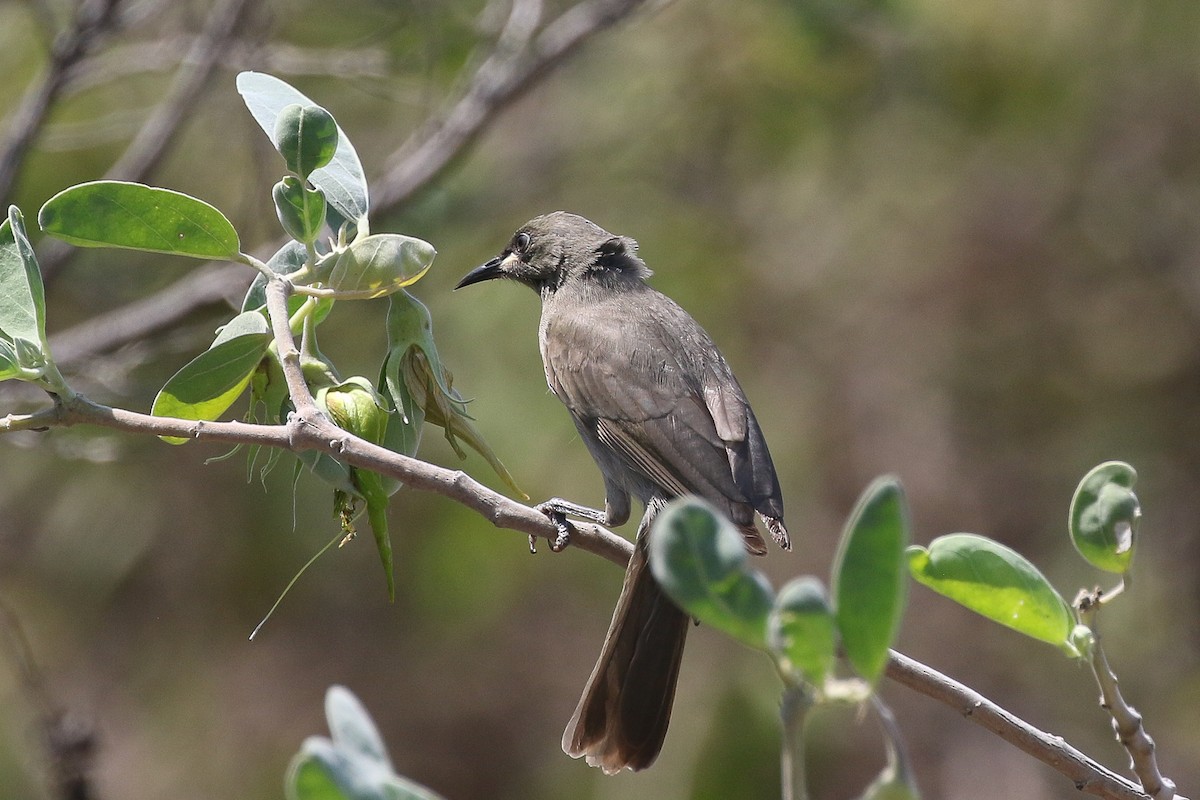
[(490, 270)]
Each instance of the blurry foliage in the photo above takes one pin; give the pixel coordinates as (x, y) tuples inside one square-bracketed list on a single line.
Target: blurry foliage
[(956, 241)]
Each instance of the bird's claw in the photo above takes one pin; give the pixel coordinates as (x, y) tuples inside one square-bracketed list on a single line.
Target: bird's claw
[(564, 528)]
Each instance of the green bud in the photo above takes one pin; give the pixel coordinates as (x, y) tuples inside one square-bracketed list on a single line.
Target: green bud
[(801, 632), (1104, 516), (306, 137), (29, 355), (301, 210), (355, 406)]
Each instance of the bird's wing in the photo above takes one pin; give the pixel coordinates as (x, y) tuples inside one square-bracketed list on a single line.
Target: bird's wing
[(680, 421)]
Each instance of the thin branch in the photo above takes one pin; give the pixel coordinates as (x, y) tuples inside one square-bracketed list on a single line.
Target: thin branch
[(318, 433), (69, 741), (1088, 776), (147, 148), (502, 78), (92, 20), (158, 131), (1126, 721)]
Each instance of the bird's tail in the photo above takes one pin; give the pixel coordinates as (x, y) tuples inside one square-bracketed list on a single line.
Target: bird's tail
[(622, 718)]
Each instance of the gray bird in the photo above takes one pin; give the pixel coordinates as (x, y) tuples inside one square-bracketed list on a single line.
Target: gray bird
[(663, 416)]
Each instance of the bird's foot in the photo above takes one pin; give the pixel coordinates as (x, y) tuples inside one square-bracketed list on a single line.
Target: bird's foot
[(556, 509)]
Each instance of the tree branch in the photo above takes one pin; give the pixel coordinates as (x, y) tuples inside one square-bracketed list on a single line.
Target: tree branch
[(146, 150), (92, 20), (1088, 776)]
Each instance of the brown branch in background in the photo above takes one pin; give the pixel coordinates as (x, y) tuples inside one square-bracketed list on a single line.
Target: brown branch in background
[(70, 742), (518, 62), (93, 19), (156, 134)]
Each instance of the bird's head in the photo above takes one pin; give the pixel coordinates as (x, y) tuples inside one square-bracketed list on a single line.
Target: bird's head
[(552, 250)]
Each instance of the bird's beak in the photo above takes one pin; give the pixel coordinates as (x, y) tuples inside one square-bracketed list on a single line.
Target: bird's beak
[(490, 270)]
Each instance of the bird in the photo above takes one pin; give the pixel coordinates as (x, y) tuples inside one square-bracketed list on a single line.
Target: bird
[(663, 417)]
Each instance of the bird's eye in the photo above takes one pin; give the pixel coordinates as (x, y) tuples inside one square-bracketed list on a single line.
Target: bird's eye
[(521, 242)]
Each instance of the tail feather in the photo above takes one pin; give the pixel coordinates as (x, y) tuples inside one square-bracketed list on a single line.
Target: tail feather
[(622, 717)]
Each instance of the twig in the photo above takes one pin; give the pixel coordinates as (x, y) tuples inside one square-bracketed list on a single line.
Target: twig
[(92, 20), (70, 742), (158, 131), (317, 433), (304, 432), (503, 77), (1088, 776), (1126, 721)]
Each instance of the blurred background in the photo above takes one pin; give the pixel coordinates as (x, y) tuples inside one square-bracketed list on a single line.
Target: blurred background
[(954, 240)]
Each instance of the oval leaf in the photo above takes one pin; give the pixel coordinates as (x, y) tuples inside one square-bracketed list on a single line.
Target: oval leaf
[(352, 727), (210, 383), (801, 631), (139, 217), (342, 179), (306, 136), (301, 210), (868, 579), (699, 559), (9, 368), (353, 765), (22, 297), (1104, 516), (377, 265), (997, 582)]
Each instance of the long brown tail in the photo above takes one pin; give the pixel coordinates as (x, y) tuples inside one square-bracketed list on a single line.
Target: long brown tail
[(622, 718)]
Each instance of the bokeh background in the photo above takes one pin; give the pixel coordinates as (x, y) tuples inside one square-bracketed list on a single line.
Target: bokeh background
[(954, 240)]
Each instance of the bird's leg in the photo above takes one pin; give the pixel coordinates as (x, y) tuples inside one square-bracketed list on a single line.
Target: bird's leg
[(557, 509)]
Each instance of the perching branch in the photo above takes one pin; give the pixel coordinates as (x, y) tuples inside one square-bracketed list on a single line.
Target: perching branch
[(1088, 776), (1126, 721), (310, 430)]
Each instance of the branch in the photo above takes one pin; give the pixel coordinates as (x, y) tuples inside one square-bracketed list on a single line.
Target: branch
[(146, 150), (70, 741), (1126, 721), (1087, 775), (92, 20), (315, 432)]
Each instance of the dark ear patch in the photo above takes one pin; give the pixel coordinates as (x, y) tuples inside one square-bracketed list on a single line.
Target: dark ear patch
[(618, 253)]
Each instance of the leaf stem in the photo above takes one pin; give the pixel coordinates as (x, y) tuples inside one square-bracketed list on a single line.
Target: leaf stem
[(793, 711)]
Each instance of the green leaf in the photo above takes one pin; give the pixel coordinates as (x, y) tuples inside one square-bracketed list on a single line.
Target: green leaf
[(355, 406), (421, 388), (9, 368), (353, 764), (342, 179), (139, 217), (352, 727), (1104, 516), (997, 582), (210, 383), (285, 261), (377, 265), (301, 210), (306, 136), (22, 297), (801, 631), (868, 578), (699, 559)]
